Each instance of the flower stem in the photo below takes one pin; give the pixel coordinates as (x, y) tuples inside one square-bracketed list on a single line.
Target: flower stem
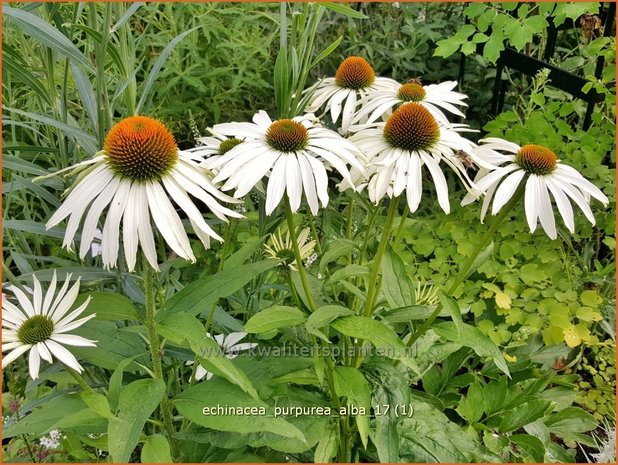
[(299, 261), (373, 287), (79, 378), (155, 352), (466, 268)]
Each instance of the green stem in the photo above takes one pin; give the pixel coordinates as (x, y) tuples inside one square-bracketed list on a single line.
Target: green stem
[(348, 226), (373, 287), (299, 261), (467, 267), (155, 350), (402, 223), (79, 378)]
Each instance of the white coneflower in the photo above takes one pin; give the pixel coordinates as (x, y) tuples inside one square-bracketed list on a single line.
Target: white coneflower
[(543, 174), (294, 153), (212, 147), (138, 174), (354, 80), (283, 249), (410, 139), (434, 97), (41, 325), (230, 347)]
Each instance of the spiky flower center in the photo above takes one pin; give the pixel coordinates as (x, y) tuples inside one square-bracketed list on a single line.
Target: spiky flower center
[(411, 127), (141, 149), (228, 145), (536, 159), (354, 73), (411, 92), (37, 328), (287, 135)]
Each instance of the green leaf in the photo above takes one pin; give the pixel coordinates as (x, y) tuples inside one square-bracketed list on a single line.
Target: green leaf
[(108, 306), (203, 293), (216, 393), (396, 285), (59, 412), (453, 309), (342, 9), (115, 383), (529, 448), (158, 65), (522, 414), (239, 257), (472, 337), (98, 403), (325, 315), (275, 317), (494, 395), (180, 328), (282, 77), (381, 336), (137, 402), (326, 52), (22, 74), (350, 383), (328, 445), (47, 35), (470, 407), (336, 249), (491, 52), (446, 47), (347, 271), (113, 345), (156, 450), (569, 422)]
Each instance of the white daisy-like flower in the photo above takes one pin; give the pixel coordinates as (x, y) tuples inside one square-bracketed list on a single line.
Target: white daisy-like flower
[(283, 249), (41, 325), (230, 347), (138, 174), (212, 147), (412, 138), (294, 153), (354, 80), (543, 174), (435, 97)]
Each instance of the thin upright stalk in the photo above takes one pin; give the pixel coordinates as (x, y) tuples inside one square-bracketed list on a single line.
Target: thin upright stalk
[(373, 287), (467, 266), (155, 349), (299, 260)]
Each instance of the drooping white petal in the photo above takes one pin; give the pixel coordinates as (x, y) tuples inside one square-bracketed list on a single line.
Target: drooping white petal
[(531, 202), (72, 340), (506, 190), (564, 206), (276, 185), (34, 362), (111, 228), (63, 355), (294, 181), (546, 214), (439, 181), (12, 356)]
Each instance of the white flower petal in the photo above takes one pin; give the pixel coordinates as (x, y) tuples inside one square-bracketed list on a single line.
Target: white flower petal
[(63, 355), (12, 356), (506, 190)]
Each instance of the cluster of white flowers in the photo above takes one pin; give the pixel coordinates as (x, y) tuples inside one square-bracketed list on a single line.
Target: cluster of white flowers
[(311, 259), (53, 440)]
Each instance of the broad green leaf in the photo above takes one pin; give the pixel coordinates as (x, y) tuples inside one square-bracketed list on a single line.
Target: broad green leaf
[(342, 9), (60, 412), (336, 249), (472, 337), (470, 407), (348, 271), (523, 414), (350, 383), (381, 336), (158, 65), (429, 436), (570, 422), (494, 395), (114, 345), (396, 286), (108, 306), (137, 402), (203, 293), (414, 312), (529, 448), (275, 317), (47, 35), (98, 403), (183, 327), (325, 315), (390, 388), (216, 393), (327, 447), (86, 94), (446, 47), (156, 450), (241, 255), (281, 78)]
